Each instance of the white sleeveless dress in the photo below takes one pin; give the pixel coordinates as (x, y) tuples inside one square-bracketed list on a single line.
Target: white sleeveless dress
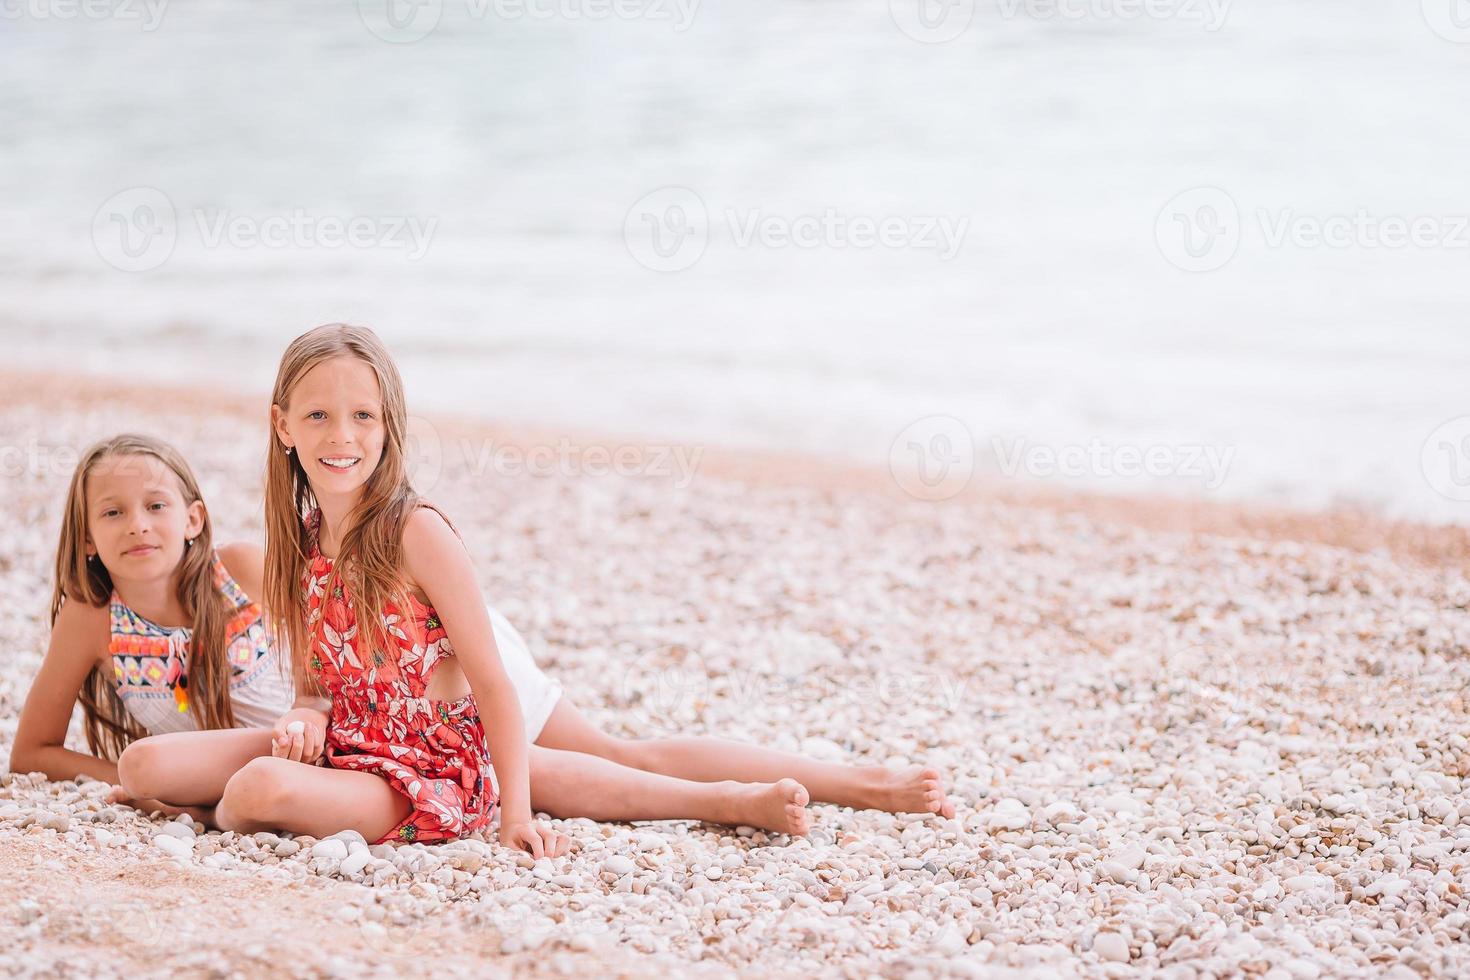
[(150, 665)]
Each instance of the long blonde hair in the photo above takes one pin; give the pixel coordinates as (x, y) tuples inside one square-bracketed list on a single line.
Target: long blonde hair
[(109, 728), (370, 554)]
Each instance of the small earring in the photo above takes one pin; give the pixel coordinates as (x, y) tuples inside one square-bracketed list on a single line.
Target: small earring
[(288, 451), (91, 558), (189, 543)]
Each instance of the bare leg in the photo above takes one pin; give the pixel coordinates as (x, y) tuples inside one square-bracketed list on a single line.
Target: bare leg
[(576, 784), (278, 794), (189, 769), (707, 759)]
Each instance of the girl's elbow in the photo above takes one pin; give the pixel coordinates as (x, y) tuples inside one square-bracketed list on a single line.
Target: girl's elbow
[(33, 757), (25, 758)]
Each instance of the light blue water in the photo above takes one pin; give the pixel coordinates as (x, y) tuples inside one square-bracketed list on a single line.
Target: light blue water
[(518, 146)]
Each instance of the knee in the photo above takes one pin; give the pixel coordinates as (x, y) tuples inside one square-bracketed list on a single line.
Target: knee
[(139, 769), (257, 792)]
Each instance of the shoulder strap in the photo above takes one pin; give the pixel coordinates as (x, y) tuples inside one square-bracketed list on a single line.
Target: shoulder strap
[(118, 614), (226, 583)]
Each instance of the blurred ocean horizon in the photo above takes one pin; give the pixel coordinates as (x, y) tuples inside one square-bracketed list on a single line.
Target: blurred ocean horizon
[(1229, 238)]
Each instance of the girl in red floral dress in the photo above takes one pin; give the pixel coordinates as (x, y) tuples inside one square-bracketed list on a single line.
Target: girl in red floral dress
[(431, 751), (405, 752), (353, 557)]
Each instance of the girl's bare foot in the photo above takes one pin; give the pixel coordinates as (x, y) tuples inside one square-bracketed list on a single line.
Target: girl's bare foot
[(916, 789), (778, 806)]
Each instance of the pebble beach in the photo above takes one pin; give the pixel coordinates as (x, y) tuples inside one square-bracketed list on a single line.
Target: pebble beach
[(1182, 740)]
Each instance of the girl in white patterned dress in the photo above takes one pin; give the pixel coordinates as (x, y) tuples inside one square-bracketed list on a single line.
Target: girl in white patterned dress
[(156, 633)]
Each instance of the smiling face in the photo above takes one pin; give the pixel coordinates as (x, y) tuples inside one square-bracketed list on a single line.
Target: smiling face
[(334, 425), (138, 522)]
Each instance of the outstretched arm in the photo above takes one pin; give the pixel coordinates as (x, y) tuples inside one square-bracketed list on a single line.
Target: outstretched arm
[(40, 739), (436, 560)]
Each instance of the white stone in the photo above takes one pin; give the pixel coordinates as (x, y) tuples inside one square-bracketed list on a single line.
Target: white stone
[(1008, 814), (330, 849), (1122, 803), (1387, 885), (1303, 969), (1308, 883), (349, 837), (619, 865), (1131, 857), (949, 941), (173, 846), (354, 863), (1111, 946)]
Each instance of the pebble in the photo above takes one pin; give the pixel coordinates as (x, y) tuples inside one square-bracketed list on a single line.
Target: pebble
[(1009, 814), (1387, 886), (1302, 969), (1308, 883), (353, 863), (174, 846), (950, 942), (1131, 858), (1111, 946), (468, 863), (619, 865), (348, 837), (59, 822), (179, 830), (330, 849)]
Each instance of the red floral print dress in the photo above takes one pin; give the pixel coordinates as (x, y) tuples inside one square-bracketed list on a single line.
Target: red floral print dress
[(432, 751)]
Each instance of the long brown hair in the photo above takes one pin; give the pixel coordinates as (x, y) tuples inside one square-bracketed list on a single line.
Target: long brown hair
[(370, 554), (109, 728)]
